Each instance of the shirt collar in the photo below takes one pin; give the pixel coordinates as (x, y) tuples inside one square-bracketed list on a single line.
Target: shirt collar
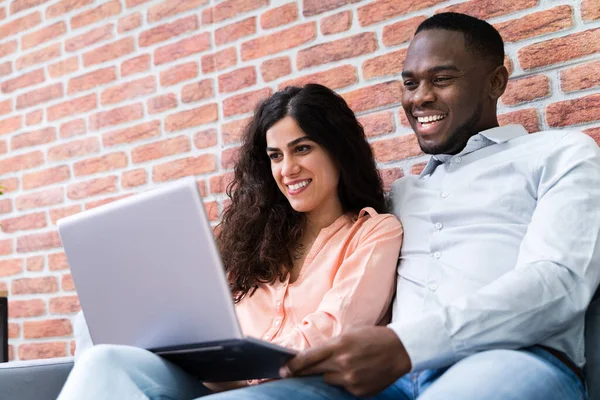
[(497, 135)]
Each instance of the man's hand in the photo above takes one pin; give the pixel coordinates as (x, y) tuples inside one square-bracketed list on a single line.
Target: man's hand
[(364, 361)]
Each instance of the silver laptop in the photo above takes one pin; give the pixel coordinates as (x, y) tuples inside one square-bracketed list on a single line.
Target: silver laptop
[(148, 274)]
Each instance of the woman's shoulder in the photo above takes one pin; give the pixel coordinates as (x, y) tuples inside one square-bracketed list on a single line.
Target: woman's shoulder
[(369, 219)]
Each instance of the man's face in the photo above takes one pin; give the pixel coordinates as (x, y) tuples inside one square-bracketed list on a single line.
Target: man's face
[(446, 89)]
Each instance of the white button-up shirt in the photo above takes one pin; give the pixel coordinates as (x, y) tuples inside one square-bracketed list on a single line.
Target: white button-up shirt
[(501, 246)]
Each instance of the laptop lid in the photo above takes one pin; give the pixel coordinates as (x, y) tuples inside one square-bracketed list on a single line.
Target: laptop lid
[(148, 272)]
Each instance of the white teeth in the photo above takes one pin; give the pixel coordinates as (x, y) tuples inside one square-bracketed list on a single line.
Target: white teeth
[(430, 118), (299, 185)]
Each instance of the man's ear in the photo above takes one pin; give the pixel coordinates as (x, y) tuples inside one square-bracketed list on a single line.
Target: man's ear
[(498, 82)]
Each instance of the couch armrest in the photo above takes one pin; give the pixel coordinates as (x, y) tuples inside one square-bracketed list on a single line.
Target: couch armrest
[(35, 379)]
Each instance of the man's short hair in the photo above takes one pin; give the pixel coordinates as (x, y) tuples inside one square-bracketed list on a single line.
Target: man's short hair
[(479, 35)]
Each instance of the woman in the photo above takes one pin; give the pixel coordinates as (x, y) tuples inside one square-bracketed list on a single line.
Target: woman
[(306, 246)]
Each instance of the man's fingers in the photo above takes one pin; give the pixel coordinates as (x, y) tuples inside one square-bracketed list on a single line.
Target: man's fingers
[(309, 358)]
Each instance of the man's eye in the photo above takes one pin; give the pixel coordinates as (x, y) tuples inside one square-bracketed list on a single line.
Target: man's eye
[(442, 79), (410, 84)]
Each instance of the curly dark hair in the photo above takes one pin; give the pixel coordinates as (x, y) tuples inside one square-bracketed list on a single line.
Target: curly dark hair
[(260, 228)]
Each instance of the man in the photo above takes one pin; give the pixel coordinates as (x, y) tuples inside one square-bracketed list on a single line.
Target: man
[(501, 254)]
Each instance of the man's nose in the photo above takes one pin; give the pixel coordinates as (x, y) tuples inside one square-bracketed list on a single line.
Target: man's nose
[(423, 94)]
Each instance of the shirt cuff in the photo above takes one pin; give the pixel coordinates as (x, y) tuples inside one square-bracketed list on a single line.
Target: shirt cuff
[(426, 341)]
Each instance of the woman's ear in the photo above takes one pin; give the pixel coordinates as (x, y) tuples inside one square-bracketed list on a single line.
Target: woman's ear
[(498, 82)]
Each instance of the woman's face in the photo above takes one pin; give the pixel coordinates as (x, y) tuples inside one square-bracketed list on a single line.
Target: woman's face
[(304, 171)]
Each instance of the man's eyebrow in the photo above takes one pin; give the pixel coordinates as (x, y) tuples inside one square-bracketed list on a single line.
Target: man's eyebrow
[(437, 68), (290, 144)]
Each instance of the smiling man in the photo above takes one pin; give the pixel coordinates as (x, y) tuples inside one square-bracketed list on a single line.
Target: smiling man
[(501, 253)]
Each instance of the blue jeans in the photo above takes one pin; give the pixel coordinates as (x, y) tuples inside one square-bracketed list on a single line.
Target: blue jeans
[(115, 372)]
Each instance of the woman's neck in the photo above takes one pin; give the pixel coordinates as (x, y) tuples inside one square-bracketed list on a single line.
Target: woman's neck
[(316, 222)]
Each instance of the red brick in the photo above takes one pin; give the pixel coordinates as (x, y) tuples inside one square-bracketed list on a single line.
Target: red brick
[(219, 183), (6, 107), (184, 167), (528, 118), (65, 6), (401, 32), (417, 168), (11, 267), (129, 22), (38, 96), (160, 149), (64, 67), (336, 23), (3, 149), (72, 107), (38, 241), (62, 212), (46, 177), (10, 125), (143, 131), (382, 10), (283, 15), (72, 128), (21, 162), (35, 263), (485, 9), (526, 89), (179, 73), (580, 77), (117, 116), (560, 49), (109, 52), (40, 199), (161, 103), (6, 68), (106, 200), (33, 138), (205, 138), (245, 102), (232, 132), (135, 3), (212, 210), (135, 65), (15, 26), (384, 65), (233, 32), (194, 117), (136, 177), (14, 331), (57, 261), (367, 98), (43, 35), (6, 247), (67, 283), (279, 41), (64, 305), (75, 148), (594, 133), (389, 176), (129, 90), (47, 328), (23, 81), (8, 48), (39, 57), (24, 222), (34, 351), (536, 24), (94, 187), (172, 7), (26, 308), (229, 157), (572, 112), (34, 117), (590, 10), (168, 31), (197, 91), (314, 7), (107, 162), (275, 68), (378, 123), (219, 61), (231, 8), (341, 49), (236, 80), (335, 78), (89, 38), (182, 48), (21, 5), (396, 149), (96, 14)]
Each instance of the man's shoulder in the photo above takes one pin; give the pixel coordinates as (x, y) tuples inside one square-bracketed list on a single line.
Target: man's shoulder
[(559, 136)]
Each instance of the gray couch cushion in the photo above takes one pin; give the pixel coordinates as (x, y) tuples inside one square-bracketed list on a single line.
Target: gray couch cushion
[(34, 380)]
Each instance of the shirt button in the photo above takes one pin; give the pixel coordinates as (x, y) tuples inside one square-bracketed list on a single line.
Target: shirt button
[(433, 287), (266, 337), (277, 322), (278, 304), (438, 225), (444, 194), (437, 254), (457, 159)]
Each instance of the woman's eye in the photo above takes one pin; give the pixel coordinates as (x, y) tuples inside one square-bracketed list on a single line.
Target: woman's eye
[(274, 156), (303, 148)]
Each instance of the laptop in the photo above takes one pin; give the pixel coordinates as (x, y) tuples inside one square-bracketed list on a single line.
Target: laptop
[(148, 274)]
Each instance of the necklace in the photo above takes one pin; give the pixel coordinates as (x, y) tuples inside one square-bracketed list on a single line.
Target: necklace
[(298, 252)]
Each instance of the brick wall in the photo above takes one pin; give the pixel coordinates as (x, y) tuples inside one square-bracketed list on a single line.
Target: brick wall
[(100, 99)]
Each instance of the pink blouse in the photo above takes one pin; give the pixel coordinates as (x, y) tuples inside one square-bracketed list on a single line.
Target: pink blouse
[(347, 280)]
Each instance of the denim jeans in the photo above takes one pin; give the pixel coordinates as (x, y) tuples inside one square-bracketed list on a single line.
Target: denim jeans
[(119, 372)]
